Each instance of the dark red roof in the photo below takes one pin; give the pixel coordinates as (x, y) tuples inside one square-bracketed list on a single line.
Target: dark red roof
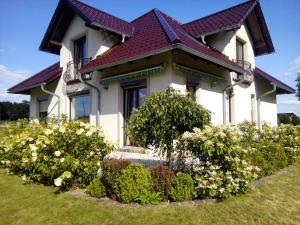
[(233, 18), (156, 32), (45, 76), (223, 20), (282, 88), (99, 18), (93, 17)]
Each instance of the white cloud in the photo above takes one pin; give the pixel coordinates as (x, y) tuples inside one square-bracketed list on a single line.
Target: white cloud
[(8, 79), (294, 66), (4, 96), (289, 102)]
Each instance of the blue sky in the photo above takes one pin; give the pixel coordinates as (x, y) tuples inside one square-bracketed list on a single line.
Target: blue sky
[(23, 24)]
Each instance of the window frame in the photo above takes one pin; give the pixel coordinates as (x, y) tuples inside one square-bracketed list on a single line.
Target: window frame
[(73, 108), (76, 58)]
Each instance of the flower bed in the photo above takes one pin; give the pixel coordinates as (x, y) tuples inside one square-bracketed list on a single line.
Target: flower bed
[(213, 162)]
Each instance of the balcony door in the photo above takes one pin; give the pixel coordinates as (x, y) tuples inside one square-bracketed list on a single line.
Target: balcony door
[(80, 52), (134, 95)]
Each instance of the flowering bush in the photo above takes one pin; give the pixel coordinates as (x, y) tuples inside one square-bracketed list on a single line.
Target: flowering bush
[(55, 155), (219, 165)]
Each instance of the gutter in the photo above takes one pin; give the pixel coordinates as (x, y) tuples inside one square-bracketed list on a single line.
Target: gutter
[(224, 97), (258, 103), (53, 94), (98, 97)]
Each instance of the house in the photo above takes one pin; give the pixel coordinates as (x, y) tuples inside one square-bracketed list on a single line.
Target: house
[(107, 65)]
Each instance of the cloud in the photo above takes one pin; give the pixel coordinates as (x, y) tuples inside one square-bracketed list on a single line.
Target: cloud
[(4, 96), (289, 102), (8, 79), (294, 66)]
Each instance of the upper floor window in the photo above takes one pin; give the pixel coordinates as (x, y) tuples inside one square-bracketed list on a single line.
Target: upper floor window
[(80, 51), (239, 50)]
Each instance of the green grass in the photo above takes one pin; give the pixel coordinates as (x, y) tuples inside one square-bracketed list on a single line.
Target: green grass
[(275, 201)]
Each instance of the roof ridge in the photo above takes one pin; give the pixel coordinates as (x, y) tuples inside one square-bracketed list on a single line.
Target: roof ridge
[(97, 9), (171, 34), (215, 13)]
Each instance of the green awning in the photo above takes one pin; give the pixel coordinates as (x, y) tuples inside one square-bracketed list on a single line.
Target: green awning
[(199, 74), (131, 75)]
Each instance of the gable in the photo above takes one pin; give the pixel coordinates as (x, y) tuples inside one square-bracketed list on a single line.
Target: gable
[(232, 18), (93, 18)]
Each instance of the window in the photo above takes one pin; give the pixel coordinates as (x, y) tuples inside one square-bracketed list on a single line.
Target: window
[(191, 86), (43, 109), (80, 51), (80, 108), (239, 50)]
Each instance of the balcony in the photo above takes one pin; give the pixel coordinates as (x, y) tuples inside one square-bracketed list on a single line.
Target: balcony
[(244, 64), (72, 72), (246, 77)]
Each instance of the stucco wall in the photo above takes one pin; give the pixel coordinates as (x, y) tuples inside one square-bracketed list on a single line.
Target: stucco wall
[(243, 103)]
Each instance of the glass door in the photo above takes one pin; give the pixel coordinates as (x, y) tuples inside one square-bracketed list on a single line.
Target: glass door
[(133, 98)]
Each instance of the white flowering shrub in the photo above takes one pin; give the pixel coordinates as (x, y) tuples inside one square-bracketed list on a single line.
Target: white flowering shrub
[(55, 155), (219, 165)]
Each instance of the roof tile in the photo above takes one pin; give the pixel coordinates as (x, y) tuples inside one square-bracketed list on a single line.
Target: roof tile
[(45, 76)]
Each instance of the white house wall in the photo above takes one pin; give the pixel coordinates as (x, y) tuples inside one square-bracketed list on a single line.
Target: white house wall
[(226, 43)]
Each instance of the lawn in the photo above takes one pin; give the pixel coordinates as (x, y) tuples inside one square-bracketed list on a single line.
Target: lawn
[(276, 200)]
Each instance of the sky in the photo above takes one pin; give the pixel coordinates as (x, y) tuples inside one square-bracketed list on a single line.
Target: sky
[(23, 24)]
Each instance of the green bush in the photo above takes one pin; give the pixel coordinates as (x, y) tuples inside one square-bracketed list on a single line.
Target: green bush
[(269, 157), (133, 184), (182, 187), (96, 188), (111, 169), (161, 177), (50, 154), (219, 164), (163, 118)]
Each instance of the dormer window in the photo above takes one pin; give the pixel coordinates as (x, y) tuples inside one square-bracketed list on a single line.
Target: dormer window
[(80, 51)]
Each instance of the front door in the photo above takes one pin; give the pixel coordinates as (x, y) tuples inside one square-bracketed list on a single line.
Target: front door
[(133, 98)]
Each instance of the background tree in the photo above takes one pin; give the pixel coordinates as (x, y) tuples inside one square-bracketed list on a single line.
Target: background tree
[(298, 86), (14, 111), (163, 118)]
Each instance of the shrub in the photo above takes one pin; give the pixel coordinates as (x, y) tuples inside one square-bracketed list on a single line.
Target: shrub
[(50, 154), (269, 157), (111, 169), (182, 187), (96, 188), (219, 165), (161, 177), (133, 184), (163, 117)]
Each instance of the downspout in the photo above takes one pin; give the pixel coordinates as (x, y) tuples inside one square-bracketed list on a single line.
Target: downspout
[(224, 97), (55, 95), (98, 98), (259, 100)]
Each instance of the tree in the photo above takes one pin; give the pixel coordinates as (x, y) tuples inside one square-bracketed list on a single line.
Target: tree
[(14, 111), (163, 118), (298, 86)]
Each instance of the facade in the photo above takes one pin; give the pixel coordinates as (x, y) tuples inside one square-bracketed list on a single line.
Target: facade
[(107, 66)]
